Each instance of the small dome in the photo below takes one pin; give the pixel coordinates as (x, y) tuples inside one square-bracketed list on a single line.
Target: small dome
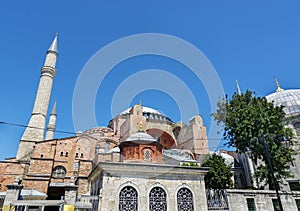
[(290, 99), (140, 136), (145, 110)]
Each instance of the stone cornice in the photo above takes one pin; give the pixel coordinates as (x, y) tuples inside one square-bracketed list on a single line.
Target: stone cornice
[(147, 169), (256, 192), (39, 158), (37, 175), (37, 178)]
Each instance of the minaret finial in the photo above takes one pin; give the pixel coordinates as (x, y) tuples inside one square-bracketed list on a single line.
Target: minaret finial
[(278, 86), (53, 47), (238, 87)]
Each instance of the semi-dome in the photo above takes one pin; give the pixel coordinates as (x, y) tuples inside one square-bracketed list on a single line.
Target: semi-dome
[(290, 99), (145, 110)]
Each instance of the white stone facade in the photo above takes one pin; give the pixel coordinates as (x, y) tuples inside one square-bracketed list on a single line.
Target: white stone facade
[(237, 199), (144, 177)]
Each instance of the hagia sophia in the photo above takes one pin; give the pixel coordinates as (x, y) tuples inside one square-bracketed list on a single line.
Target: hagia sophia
[(133, 163)]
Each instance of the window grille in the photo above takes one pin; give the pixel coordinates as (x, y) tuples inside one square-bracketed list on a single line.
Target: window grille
[(147, 154), (251, 204), (157, 199), (185, 200), (59, 172), (128, 199), (294, 186), (217, 199)]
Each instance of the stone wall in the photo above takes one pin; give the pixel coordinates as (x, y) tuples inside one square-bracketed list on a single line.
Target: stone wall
[(237, 199), (193, 136), (102, 157)]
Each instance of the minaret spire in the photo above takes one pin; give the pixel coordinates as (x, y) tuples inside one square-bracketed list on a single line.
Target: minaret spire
[(53, 47), (278, 86), (52, 124), (238, 87), (36, 126), (54, 109)]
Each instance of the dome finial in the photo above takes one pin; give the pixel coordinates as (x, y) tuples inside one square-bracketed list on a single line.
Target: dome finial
[(141, 126), (277, 84)]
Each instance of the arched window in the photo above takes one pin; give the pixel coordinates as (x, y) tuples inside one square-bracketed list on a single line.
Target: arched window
[(147, 154), (157, 199), (59, 172), (107, 146), (128, 199), (185, 200), (97, 149)]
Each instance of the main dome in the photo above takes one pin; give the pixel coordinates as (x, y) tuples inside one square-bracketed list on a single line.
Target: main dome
[(145, 110), (290, 99)]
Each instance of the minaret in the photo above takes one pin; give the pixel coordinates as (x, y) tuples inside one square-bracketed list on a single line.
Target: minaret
[(52, 124), (36, 126), (238, 87)]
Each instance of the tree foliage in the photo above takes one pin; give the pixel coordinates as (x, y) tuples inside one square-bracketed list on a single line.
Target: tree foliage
[(192, 164), (219, 175), (245, 118)]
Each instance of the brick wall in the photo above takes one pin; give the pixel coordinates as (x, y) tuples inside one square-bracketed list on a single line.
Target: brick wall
[(8, 171)]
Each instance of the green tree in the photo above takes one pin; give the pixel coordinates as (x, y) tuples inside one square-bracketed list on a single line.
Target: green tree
[(245, 117), (219, 175)]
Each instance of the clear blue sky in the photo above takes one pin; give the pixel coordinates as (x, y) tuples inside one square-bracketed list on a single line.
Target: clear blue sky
[(249, 41)]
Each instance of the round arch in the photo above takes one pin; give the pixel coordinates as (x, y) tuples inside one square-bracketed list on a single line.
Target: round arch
[(163, 137), (159, 185), (186, 151), (188, 188), (129, 184)]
